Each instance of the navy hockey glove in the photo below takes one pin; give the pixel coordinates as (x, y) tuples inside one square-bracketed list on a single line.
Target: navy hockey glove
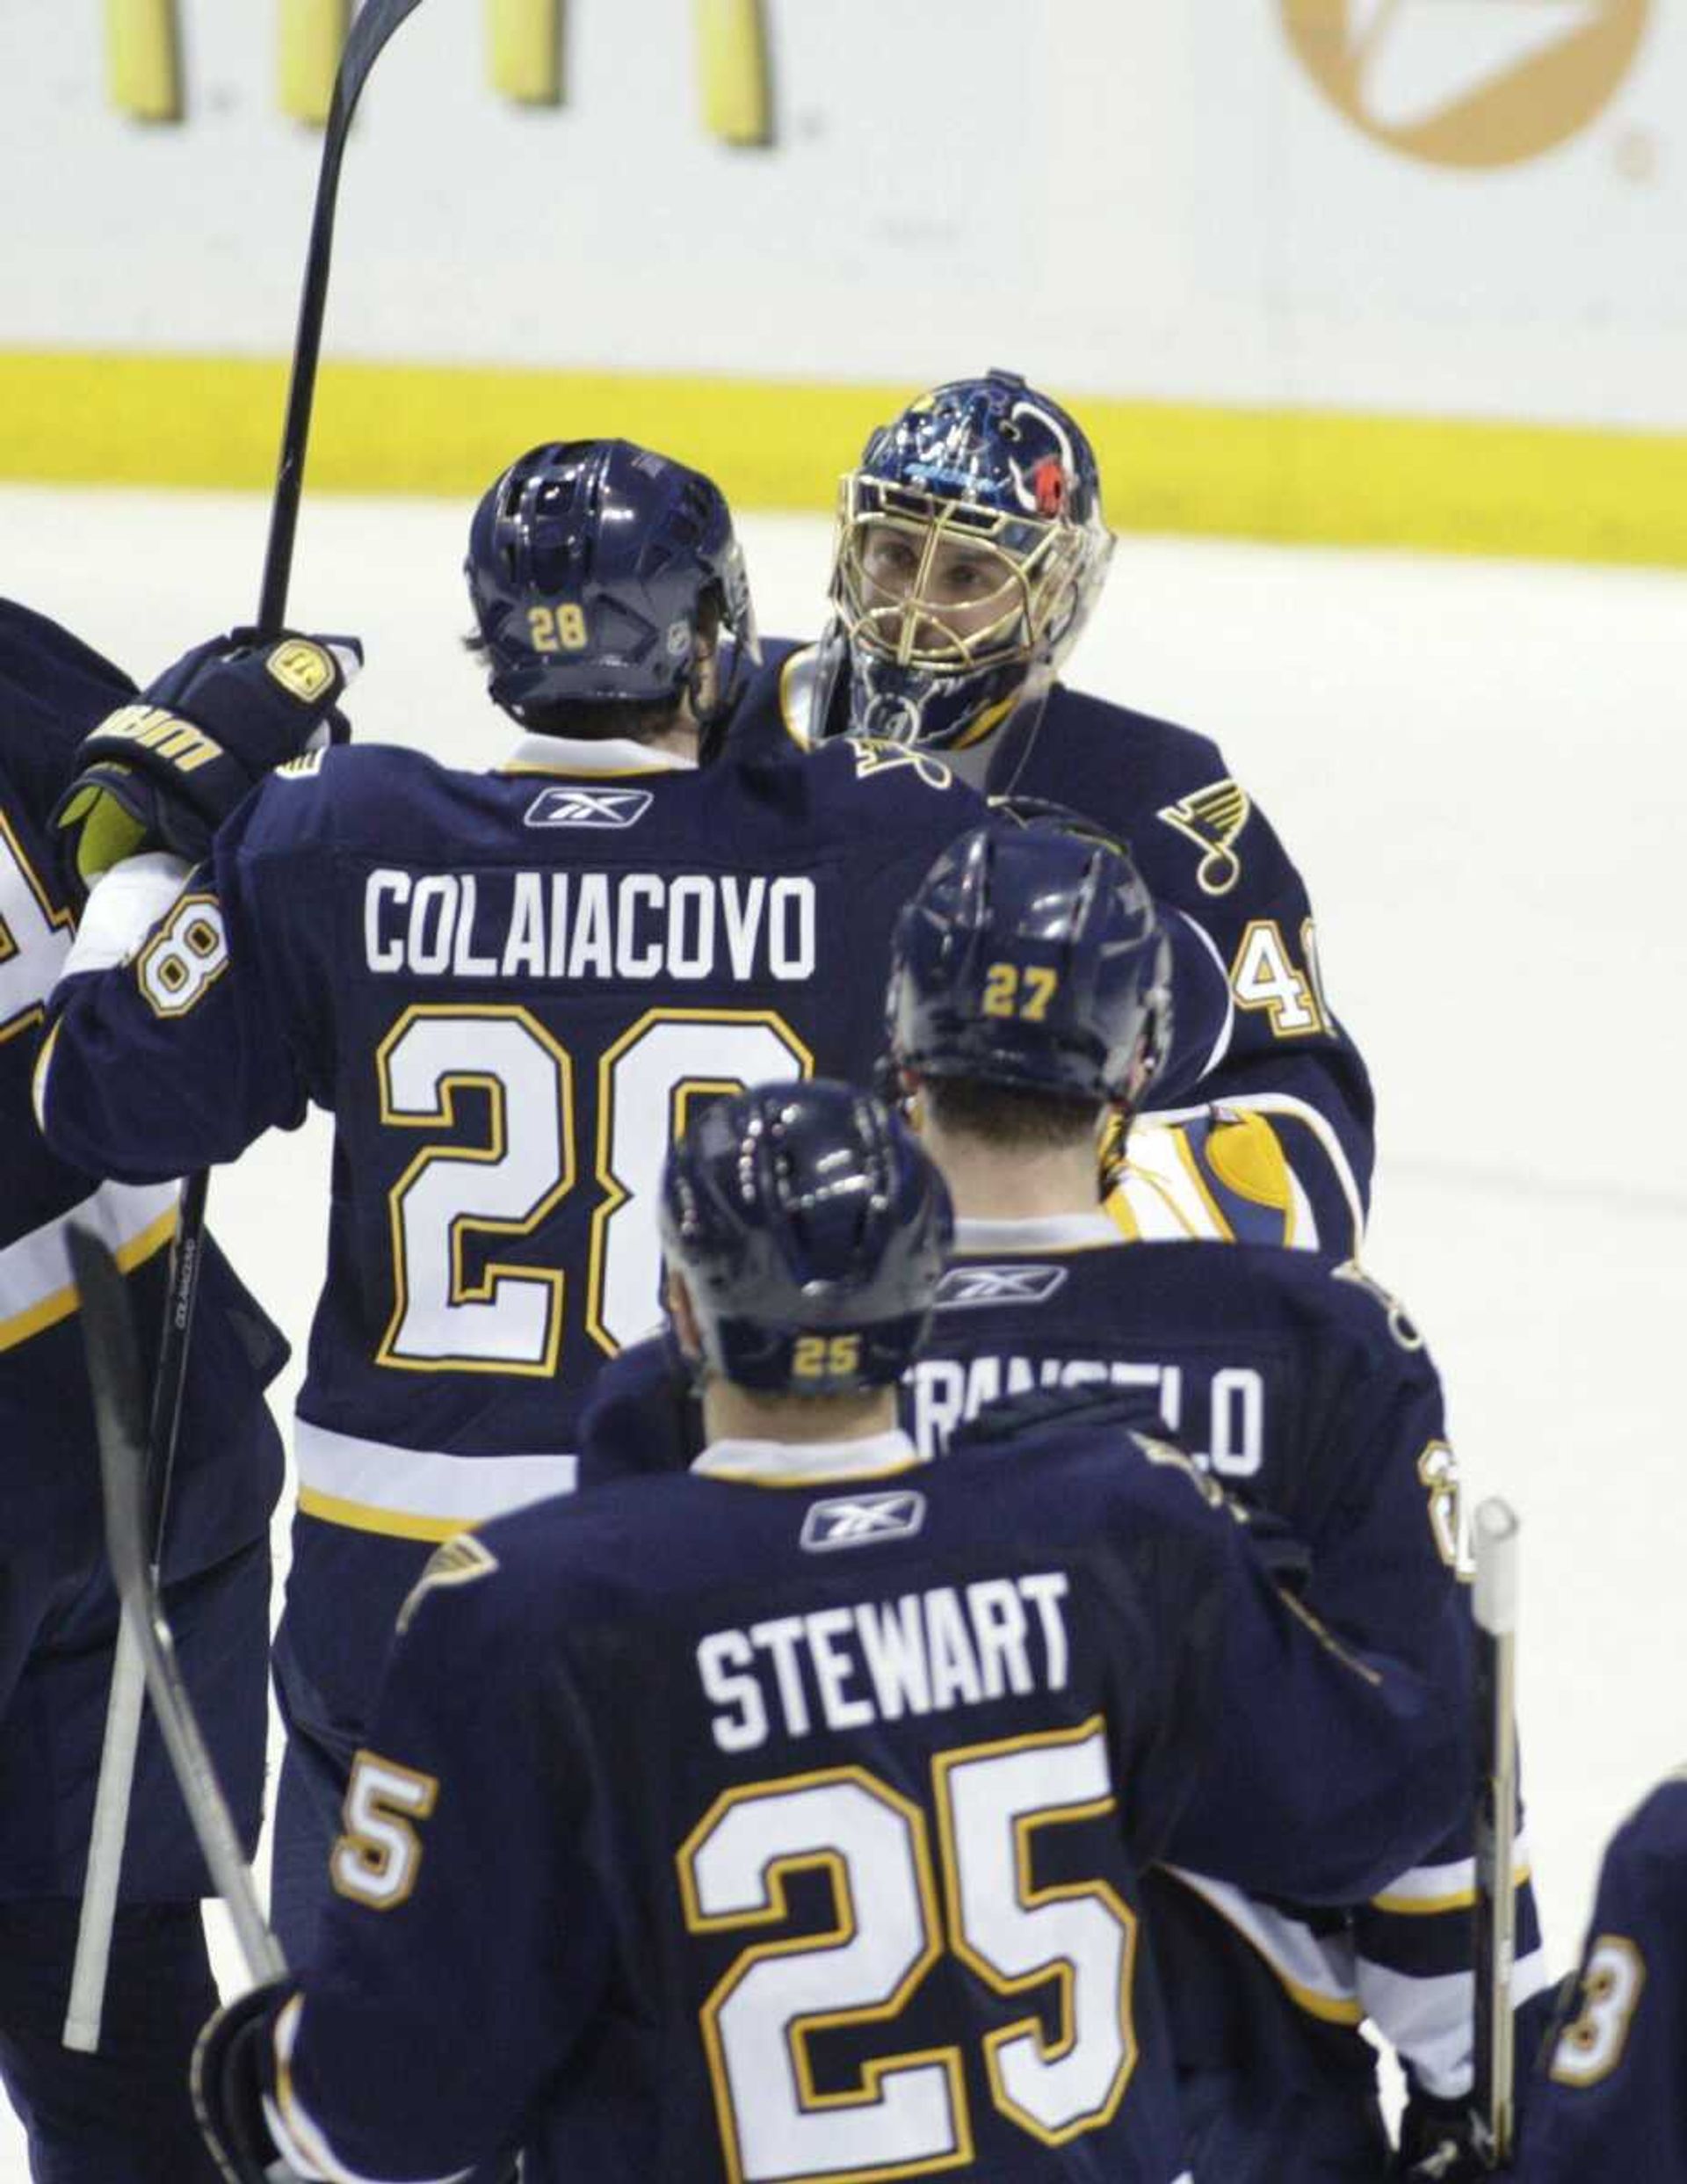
[(1438, 2144), (165, 773), (230, 2080)]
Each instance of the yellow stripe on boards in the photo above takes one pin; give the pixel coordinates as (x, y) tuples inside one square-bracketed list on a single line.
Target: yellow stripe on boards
[(312, 33), (1301, 476), (525, 50), (735, 81), (143, 53)]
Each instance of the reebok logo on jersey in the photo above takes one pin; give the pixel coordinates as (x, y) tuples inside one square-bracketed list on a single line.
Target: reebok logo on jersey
[(964, 1286), (860, 1519), (588, 808)]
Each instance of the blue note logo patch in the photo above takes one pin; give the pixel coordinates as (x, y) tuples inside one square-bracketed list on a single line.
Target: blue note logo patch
[(973, 1285), (862, 1519), (585, 806), (1213, 818)]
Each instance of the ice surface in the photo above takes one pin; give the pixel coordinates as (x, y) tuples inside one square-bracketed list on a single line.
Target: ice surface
[(1476, 767)]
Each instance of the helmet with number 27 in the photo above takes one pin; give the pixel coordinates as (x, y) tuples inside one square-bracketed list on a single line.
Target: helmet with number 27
[(1032, 956), (970, 548), (601, 574)]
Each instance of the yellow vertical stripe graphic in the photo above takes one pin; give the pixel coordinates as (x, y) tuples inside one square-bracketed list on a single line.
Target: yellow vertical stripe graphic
[(523, 40), (143, 51), (735, 78), (312, 33)]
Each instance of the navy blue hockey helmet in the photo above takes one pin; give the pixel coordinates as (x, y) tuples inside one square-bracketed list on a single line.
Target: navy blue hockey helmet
[(970, 548), (1031, 956), (811, 1228), (593, 566)]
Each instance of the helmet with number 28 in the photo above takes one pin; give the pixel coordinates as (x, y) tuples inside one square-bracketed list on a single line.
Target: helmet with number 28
[(970, 548), (810, 1228), (600, 574)]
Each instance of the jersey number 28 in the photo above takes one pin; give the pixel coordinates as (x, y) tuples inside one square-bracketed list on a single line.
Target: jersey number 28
[(508, 1317)]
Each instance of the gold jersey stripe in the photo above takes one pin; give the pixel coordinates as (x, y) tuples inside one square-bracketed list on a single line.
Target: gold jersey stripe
[(62, 1302)]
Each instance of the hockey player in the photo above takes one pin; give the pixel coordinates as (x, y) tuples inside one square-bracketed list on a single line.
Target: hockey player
[(970, 550), (507, 985), (1610, 2101), (122, 2115), (712, 1832), (1302, 1386), (1029, 1002)]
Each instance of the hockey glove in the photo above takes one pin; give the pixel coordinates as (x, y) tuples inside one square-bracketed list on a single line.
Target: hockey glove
[(228, 2083), (165, 773), (1438, 2144)]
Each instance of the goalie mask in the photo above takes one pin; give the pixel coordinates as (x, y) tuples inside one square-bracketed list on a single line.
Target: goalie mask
[(970, 550), (811, 1228), (599, 572)]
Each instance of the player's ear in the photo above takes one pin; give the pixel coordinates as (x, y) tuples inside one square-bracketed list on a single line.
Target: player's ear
[(1112, 1129), (677, 1298)]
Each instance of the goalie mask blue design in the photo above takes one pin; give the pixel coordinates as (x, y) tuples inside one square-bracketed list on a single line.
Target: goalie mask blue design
[(970, 550), (811, 1229), (598, 571), (1032, 956)]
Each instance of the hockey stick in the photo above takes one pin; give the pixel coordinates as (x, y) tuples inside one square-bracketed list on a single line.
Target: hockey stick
[(115, 1381), (1493, 2093), (374, 24)]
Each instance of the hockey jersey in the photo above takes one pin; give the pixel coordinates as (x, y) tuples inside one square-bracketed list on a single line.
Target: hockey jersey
[(53, 690), (508, 987), (1209, 853), (758, 1834), (1610, 2100), (1306, 1392), (227, 1467)]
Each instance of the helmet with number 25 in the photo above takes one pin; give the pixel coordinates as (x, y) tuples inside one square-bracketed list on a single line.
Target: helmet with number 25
[(970, 550), (600, 573), (810, 1228)]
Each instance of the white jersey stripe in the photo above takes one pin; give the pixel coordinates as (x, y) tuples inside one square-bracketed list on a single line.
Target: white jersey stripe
[(36, 1289), (1430, 2019), (417, 1493), (1319, 1972)]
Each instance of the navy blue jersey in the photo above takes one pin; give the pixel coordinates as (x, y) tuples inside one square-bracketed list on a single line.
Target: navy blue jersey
[(58, 1613), (1307, 1392), (1207, 851), (775, 1833), (53, 690), (509, 987), (1610, 2099)]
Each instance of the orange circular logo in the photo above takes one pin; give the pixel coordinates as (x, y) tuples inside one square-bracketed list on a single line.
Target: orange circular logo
[(1467, 83)]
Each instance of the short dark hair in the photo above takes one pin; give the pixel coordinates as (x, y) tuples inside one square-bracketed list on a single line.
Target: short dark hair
[(1009, 1117), (597, 721)]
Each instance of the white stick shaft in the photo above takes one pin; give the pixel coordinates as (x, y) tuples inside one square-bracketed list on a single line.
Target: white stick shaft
[(105, 1842), (1496, 1607)]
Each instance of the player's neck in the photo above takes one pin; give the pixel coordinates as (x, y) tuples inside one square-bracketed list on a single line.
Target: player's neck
[(679, 741), (734, 1413), (987, 1184)]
